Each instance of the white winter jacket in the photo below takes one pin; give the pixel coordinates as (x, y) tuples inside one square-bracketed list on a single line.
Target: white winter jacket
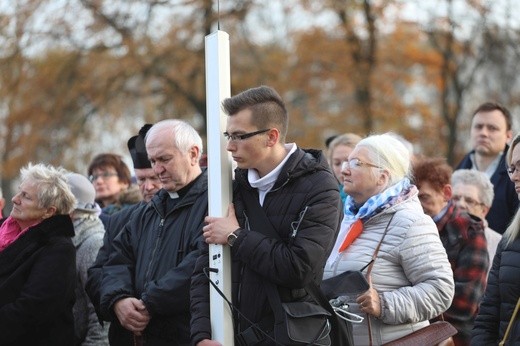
[(411, 272)]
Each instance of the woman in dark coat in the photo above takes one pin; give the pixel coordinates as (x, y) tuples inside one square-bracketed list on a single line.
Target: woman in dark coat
[(503, 288), (37, 261)]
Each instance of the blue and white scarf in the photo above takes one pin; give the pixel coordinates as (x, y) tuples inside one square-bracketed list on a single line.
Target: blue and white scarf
[(374, 205)]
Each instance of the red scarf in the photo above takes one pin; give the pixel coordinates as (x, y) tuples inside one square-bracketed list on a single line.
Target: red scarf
[(355, 230)]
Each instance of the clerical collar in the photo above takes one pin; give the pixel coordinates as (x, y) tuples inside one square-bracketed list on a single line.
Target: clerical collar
[(184, 190), (173, 195)]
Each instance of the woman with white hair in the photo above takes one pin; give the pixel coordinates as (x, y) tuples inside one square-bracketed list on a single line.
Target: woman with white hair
[(473, 192), (503, 289), (385, 230), (37, 261)]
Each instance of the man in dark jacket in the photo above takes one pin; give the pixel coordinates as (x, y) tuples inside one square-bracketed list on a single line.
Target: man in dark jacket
[(490, 133), (146, 279), (296, 190), (149, 184)]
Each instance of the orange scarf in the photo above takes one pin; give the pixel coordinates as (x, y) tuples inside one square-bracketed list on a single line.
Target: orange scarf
[(355, 230)]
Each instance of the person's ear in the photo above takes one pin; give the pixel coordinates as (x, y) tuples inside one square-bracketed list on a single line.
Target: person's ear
[(447, 192), (51, 211), (273, 135), (384, 177), (193, 154)]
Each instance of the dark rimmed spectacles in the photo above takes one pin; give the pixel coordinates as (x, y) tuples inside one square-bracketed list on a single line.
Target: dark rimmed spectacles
[(356, 163), (513, 168), (241, 137)]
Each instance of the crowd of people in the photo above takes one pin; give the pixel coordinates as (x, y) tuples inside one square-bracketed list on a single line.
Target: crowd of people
[(104, 258)]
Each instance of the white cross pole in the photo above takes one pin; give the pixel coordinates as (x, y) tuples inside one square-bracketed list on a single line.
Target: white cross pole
[(218, 87)]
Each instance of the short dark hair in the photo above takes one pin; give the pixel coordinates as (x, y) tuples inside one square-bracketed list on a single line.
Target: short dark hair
[(435, 171), (111, 160), (495, 106), (267, 107)]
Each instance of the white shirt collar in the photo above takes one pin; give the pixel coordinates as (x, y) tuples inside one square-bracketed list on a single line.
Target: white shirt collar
[(266, 183)]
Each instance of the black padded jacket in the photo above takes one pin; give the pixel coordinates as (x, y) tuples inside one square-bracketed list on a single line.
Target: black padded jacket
[(304, 208), (153, 259)]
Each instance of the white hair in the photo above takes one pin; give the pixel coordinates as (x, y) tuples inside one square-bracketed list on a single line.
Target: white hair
[(53, 189), (478, 179), (390, 154), (184, 135)]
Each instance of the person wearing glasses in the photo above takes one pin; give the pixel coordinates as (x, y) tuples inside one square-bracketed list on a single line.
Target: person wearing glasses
[(297, 192), (38, 261), (111, 178), (491, 130), (473, 192), (503, 287), (463, 238), (410, 279)]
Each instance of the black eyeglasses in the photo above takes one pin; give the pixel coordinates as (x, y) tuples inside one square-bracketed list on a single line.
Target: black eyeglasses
[(241, 137), (513, 168)]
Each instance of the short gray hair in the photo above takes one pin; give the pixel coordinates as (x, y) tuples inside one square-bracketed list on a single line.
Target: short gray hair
[(183, 134), (390, 154), (478, 179), (53, 190)]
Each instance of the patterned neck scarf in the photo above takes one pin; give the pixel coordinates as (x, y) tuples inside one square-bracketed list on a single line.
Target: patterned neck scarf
[(352, 224)]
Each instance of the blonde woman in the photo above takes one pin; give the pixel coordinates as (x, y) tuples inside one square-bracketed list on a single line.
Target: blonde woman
[(503, 288), (339, 150), (37, 261)]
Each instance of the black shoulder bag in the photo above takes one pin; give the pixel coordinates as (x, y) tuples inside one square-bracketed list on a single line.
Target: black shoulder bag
[(299, 322)]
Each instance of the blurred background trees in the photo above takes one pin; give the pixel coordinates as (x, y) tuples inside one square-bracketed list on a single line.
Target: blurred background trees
[(79, 77)]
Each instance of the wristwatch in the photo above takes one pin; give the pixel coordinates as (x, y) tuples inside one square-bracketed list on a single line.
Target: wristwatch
[(233, 236)]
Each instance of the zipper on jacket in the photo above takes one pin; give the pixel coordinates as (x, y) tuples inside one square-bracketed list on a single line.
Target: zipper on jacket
[(154, 252), (239, 290), (295, 225)]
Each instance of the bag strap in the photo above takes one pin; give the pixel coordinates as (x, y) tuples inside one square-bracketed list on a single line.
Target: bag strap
[(257, 217), (369, 270), (376, 251), (513, 317), (263, 225)]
